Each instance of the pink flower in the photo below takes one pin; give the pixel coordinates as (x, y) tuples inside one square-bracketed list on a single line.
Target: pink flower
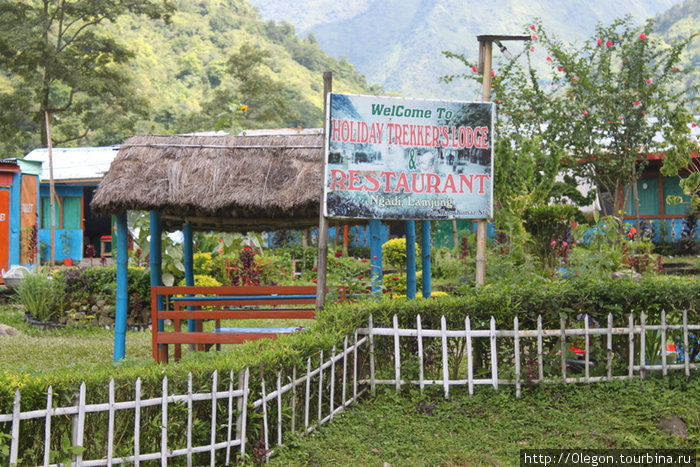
[(533, 27), (564, 243), (553, 244), (314, 280), (395, 279), (648, 81), (694, 125), (599, 42), (374, 257), (360, 277), (532, 49), (585, 112), (609, 44), (575, 78), (675, 68), (533, 37), (561, 68), (363, 260), (338, 254), (499, 101), (474, 69), (549, 59), (637, 102), (622, 117), (642, 36), (493, 73), (336, 264)]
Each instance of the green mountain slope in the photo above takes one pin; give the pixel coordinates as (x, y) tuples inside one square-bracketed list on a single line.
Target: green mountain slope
[(179, 66), (398, 43), (183, 70)]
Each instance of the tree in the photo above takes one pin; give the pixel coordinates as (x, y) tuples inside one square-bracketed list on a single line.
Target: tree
[(57, 60), (606, 104), (255, 100)]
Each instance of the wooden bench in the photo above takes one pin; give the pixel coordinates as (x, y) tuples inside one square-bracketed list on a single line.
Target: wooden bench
[(197, 304)]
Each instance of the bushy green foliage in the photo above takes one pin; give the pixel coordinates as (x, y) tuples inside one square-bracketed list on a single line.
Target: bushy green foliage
[(549, 226), (394, 253), (42, 295)]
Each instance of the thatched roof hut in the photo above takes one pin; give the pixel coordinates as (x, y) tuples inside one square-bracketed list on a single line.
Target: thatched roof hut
[(222, 183)]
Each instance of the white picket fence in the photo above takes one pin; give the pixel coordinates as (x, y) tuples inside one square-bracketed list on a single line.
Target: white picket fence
[(328, 388)]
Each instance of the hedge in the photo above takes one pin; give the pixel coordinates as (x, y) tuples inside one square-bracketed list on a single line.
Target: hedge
[(503, 301)]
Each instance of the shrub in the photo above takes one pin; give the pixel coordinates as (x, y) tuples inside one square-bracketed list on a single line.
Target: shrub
[(549, 226), (394, 253), (42, 295)]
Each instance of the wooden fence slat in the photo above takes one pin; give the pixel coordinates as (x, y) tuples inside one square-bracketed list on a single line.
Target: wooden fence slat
[(343, 398), (354, 366), (562, 321), (664, 370), (470, 357), (630, 327), (214, 403), (372, 383), (494, 355), (445, 361), (190, 413), (686, 349), (587, 348), (80, 425), (229, 422), (164, 425), (110, 424), (320, 387), (642, 345), (279, 408), (397, 353), (307, 396), (47, 426), (540, 350), (16, 414), (241, 425), (137, 423), (419, 328), (609, 350), (516, 345), (294, 400), (332, 394)]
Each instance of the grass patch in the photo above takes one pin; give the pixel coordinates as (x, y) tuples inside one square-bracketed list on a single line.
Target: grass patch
[(43, 352), (492, 427)]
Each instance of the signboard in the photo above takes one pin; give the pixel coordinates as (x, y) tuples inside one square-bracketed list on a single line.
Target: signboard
[(396, 158)]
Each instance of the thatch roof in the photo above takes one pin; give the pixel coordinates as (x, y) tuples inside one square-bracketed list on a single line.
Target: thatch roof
[(223, 183)]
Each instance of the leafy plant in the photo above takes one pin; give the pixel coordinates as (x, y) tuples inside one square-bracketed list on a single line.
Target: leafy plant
[(394, 253), (42, 296)]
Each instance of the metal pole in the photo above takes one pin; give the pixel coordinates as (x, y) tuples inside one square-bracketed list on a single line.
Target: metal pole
[(322, 221)]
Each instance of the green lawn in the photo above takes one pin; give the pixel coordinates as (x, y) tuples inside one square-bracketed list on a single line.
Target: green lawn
[(492, 427)]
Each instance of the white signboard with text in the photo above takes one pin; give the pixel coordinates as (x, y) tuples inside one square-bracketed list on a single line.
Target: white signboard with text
[(397, 158)]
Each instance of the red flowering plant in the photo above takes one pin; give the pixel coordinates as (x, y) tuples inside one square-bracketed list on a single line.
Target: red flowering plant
[(592, 119), (347, 277)]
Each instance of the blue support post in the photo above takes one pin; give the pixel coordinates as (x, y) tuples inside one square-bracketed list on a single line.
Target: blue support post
[(189, 266), (156, 261), (122, 288), (410, 259), (375, 252), (425, 245)]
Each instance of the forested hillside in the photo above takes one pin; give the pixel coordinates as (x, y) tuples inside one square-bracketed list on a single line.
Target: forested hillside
[(215, 66)]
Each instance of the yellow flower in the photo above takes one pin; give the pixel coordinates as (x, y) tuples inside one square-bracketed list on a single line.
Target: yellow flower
[(244, 108)]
